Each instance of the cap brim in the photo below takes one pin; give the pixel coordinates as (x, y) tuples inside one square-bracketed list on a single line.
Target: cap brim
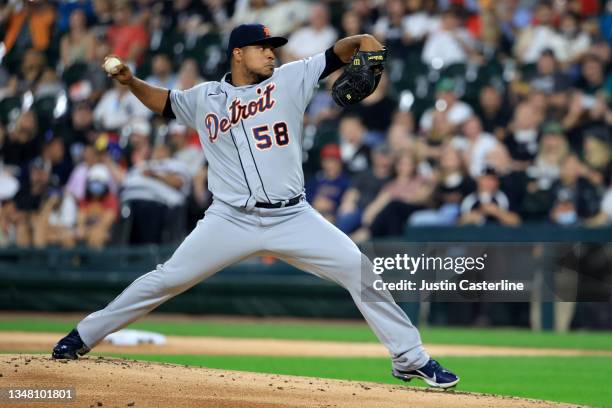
[(274, 41)]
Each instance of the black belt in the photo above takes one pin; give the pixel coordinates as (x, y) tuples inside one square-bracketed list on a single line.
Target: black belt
[(281, 204)]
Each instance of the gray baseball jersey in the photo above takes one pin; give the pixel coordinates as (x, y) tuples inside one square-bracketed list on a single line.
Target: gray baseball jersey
[(252, 140), (252, 135)]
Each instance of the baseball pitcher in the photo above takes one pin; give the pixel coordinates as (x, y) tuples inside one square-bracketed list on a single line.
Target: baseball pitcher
[(250, 125)]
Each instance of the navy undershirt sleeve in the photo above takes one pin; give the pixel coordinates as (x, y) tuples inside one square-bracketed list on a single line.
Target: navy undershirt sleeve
[(168, 113), (332, 62)]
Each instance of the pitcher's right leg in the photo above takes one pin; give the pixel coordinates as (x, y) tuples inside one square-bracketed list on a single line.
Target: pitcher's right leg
[(215, 243)]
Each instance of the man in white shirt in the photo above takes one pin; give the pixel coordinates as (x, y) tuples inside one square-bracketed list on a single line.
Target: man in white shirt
[(188, 154), (117, 107), (532, 41), (449, 43), (312, 39), (456, 111), (475, 144)]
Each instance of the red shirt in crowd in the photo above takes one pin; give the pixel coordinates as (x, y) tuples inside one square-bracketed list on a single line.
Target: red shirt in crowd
[(109, 202), (123, 38)]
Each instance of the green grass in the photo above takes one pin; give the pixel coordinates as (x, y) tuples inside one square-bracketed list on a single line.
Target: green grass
[(340, 332), (579, 380)]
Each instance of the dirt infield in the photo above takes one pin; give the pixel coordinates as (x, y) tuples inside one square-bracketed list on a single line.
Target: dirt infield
[(36, 342), (104, 382)]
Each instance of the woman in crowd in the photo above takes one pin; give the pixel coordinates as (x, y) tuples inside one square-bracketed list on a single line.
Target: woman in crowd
[(407, 192)]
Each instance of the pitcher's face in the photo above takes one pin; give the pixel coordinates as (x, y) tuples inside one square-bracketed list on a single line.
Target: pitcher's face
[(258, 59)]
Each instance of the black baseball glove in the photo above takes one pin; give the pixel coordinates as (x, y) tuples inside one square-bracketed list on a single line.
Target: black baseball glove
[(360, 78)]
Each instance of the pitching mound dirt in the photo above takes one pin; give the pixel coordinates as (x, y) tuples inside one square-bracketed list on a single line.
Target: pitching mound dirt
[(106, 382)]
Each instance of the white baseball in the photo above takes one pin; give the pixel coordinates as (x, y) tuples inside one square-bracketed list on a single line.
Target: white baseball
[(111, 65)]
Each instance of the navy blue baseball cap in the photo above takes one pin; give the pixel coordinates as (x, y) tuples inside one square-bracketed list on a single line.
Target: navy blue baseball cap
[(251, 34)]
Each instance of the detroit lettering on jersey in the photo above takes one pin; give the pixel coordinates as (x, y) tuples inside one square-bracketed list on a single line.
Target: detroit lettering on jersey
[(239, 111)]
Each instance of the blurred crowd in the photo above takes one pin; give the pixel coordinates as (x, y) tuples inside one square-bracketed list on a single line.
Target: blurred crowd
[(488, 113)]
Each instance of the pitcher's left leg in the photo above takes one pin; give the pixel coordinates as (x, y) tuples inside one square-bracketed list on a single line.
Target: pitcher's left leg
[(311, 243)]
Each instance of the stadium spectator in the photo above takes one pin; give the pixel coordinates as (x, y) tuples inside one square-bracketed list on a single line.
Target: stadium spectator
[(162, 74), (399, 138), (522, 142), (514, 17), (190, 155), (419, 21), (128, 37), (575, 42), (548, 78), (192, 41), (250, 11), (55, 223), (117, 107), (593, 77), (29, 26), (189, 75), (377, 109), (161, 35), (65, 10), (322, 109), (103, 11), (153, 190), (285, 16), (475, 144), (448, 103), (33, 74), (79, 130), (364, 188), (513, 182), (597, 156), (390, 28), (351, 24), (573, 197), (408, 192), (354, 152), (366, 11), (22, 143), (543, 173), (541, 36), (584, 111), (78, 44), (192, 158), (318, 36), (553, 148), (453, 185), (493, 111), (54, 152), (138, 145), (327, 188), (77, 183), (97, 209), (441, 131), (449, 43), (220, 14), (28, 199), (94, 83), (9, 185), (488, 204)]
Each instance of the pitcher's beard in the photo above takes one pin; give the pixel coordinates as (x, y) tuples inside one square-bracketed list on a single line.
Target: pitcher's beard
[(257, 77)]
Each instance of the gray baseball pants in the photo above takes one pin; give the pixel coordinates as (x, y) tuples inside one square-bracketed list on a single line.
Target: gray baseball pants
[(298, 235)]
